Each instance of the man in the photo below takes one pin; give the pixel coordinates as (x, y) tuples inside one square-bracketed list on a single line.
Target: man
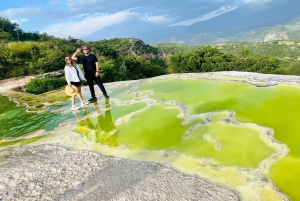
[(91, 70)]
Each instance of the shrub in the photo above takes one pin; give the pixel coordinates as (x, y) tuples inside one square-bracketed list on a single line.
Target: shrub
[(42, 85)]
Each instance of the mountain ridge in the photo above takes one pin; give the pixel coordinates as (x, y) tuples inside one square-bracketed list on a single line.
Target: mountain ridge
[(256, 20)]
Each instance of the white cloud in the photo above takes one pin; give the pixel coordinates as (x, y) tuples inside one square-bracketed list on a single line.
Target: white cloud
[(81, 2), (87, 25), (20, 21), (156, 19), (20, 12), (206, 16), (75, 5), (21, 15), (256, 1)]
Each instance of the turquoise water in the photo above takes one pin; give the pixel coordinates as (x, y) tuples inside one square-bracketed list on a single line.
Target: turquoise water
[(15, 121)]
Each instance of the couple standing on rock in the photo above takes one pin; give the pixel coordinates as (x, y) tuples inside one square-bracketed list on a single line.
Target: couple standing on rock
[(74, 75)]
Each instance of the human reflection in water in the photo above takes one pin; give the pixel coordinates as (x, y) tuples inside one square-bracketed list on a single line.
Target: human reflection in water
[(109, 131), (78, 113), (104, 131)]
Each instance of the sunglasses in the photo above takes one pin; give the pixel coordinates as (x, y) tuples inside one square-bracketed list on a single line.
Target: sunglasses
[(68, 59), (85, 49)]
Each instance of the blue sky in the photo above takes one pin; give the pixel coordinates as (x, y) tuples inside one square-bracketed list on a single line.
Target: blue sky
[(104, 19)]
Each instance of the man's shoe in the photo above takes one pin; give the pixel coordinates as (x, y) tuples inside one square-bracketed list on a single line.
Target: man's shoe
[(93, 99), (106, 96)]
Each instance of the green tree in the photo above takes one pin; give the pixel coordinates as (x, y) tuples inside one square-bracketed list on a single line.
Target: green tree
[(7, 26), (5, 36), (134, 65)]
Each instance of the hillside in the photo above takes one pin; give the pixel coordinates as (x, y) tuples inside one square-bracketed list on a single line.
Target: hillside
[(237, 56), (282, 49), (120, 58)]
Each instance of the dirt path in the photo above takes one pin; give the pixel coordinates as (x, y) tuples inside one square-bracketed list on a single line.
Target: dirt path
[(8, 84)]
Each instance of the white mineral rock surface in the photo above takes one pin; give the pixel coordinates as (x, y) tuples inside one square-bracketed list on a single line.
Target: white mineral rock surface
[(50, 172)]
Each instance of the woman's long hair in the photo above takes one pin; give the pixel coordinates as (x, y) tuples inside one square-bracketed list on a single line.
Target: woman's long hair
[(72, 61)]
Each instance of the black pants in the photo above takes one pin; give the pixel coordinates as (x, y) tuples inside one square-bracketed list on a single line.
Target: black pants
[(90, 82)]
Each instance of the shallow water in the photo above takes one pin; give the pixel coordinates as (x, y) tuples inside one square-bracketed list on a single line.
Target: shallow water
[(15, 121), (274, 107), (186, 122)]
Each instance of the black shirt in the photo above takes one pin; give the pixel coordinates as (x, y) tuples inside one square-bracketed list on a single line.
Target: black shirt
[(88, 63)]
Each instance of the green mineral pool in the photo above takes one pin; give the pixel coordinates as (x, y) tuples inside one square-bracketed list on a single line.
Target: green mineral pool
[(223, 129)]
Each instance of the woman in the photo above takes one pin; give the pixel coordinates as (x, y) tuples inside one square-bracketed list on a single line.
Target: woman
[(73, 76)]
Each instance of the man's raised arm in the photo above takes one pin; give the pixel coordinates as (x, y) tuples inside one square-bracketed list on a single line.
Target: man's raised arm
[(74, 56)]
